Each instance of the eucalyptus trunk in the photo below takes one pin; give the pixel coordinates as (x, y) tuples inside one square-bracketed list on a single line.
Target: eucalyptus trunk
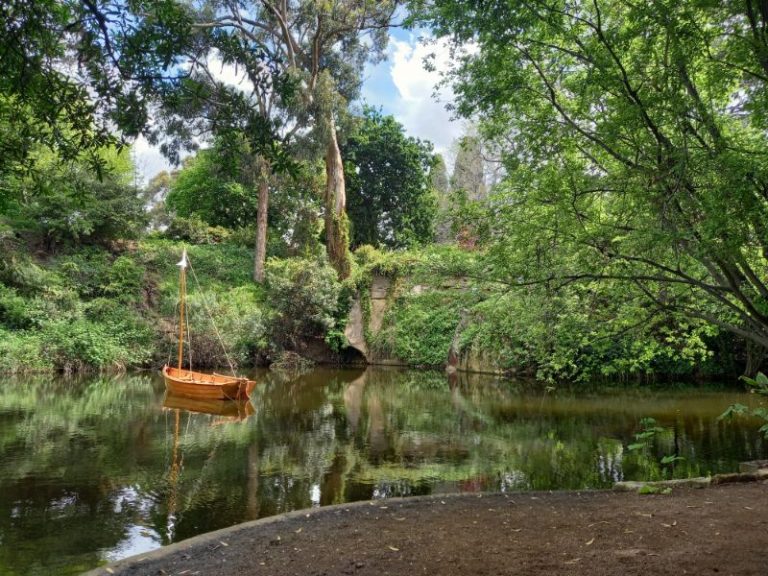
[(336, 223), (260, 253)]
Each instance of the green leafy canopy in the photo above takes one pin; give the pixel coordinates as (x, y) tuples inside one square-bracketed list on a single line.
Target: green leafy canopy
[(634, 140)]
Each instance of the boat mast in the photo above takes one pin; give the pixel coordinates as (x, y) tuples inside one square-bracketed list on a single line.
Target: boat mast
[(182, 294)]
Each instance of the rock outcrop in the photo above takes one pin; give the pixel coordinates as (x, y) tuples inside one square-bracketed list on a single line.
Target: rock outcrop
[(355, 330), (360, 331)]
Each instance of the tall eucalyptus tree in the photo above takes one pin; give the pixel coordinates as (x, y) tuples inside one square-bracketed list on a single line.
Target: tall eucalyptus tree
[(320, 47)]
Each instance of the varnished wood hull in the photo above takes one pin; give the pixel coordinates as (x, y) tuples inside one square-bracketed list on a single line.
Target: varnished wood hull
[(209, 386)]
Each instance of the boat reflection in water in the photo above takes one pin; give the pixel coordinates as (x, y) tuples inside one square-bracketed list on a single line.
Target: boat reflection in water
[(224, 412), (229, 410)]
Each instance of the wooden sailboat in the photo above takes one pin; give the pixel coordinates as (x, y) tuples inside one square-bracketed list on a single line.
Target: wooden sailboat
[(183, 382)]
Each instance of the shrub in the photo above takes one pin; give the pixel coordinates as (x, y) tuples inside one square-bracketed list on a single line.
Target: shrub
[(241, 323), (71, 346), (195, 231), (14, 312), (125, 279), (86, 271), (247, 323), (418, 329), (19, 271), (21, 351), (304, 295)]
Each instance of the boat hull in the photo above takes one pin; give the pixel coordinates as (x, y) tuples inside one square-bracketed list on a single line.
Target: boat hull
[(192, 384)]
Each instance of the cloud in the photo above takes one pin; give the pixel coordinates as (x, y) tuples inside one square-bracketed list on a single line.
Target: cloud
[(230, 74), (148, 160), (421, 103)]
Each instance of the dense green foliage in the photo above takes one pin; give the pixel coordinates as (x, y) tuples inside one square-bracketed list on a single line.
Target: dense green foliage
[(620, 235), (441, 302), (71, 71), (92, 309), (390, 200), (57, 203), (214, 197), (634, 142), (420, 328), (81, 312), (304, 297), (210, 190)]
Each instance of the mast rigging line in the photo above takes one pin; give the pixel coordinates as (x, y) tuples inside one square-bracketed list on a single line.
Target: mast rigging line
[(213, 322)]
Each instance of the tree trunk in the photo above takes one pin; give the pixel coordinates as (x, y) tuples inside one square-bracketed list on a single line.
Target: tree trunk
[(260, 253), (336, 224), (755, 357)]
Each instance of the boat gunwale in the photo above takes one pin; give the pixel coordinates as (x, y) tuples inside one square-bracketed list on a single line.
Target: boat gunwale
[(207, 385)]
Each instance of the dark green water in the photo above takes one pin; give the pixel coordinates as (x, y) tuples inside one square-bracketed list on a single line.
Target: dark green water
[(91, 471)]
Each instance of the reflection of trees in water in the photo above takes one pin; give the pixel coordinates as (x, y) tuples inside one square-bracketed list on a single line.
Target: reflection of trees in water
[(86, 463), (69, 447), (400, 432), (483, 432), (86, 468)]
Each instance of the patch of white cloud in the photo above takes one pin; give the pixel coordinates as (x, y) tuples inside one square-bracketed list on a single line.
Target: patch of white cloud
[(421, 106), (226, 73)]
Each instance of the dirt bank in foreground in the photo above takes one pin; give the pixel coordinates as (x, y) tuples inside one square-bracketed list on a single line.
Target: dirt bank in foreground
[(721, 530)]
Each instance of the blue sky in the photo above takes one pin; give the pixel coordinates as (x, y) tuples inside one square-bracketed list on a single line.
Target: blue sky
[(399, 85)]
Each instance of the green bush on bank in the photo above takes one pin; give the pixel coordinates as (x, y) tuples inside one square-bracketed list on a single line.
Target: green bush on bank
[(15, 313), (427, 299), (22, 351), (72, 346), (419, 329), (438, 293), (561, 337), (304, 297), (99, 335), (194, 230), (94, 309), (224, 326), (421, 265), (75, 311)]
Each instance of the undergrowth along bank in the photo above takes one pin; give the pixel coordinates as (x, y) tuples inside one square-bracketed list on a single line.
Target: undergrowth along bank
[(109, 309)]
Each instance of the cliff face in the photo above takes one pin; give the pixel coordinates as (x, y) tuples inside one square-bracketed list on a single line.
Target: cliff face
[(374, 324), (366, 319)]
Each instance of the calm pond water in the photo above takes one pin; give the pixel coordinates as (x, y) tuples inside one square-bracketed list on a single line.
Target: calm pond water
[(97, 469)]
